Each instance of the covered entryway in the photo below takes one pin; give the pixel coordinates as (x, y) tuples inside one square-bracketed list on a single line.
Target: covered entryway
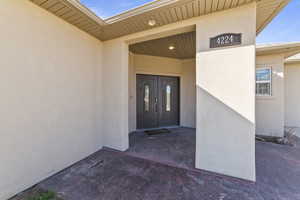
[(162, 82), (157, 101), (162, 99)]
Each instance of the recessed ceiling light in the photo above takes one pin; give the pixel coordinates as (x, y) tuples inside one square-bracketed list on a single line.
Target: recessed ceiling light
[(151, 22), (171, 47)]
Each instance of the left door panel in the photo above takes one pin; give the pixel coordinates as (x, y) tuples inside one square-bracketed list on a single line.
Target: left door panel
[(147, 115)]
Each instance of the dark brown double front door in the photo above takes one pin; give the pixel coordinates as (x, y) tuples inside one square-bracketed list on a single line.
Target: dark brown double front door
[(157, 101)]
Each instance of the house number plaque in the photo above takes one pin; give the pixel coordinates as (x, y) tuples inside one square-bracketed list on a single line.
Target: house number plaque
[(226, 39)]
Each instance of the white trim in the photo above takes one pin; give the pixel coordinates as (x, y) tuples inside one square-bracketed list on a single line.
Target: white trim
[(139, 10), (270, 81), (82, 8)]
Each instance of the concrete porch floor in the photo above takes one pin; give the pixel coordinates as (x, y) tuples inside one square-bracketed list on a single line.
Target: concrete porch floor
[(110, 175), (176, 148)]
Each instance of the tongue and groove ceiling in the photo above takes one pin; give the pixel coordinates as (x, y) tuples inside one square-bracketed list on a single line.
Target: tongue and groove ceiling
[(162, 11), (184, 46)]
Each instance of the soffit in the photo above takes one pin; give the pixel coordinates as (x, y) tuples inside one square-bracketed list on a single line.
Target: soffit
[(185, 46), (74, 13), (266, 10), (163, 11)]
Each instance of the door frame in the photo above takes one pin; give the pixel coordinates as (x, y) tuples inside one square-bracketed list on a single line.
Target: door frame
[(178, 76)]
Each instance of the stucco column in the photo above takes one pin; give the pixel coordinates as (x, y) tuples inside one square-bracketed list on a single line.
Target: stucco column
[(225, 78), (115, 95)]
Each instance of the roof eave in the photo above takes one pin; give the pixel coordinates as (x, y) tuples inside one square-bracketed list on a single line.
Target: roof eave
[(86, 11), (106, 29), (288, 49), (292, 61), (139, 10), (271, 17)]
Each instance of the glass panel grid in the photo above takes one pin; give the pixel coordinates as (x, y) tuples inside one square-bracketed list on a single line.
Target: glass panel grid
[(263, 88), (264, 82), (263, 75)]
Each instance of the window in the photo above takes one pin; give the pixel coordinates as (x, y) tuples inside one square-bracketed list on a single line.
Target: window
[(146, 98), (168, 98), (264, 82)]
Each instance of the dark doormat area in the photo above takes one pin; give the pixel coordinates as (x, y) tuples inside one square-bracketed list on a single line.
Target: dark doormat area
[(157, 131)]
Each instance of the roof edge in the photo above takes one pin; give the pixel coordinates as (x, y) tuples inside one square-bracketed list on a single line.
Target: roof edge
[(288, 49), (139, 10), (266, 46), (274, 14), (294, 61), (78, 5)]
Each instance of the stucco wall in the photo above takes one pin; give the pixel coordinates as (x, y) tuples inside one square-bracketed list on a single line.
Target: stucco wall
[(225, 140), (184, 69), (158, 65), (270, 110), (188, 93), (115, 90), (292, 96), (131, 94), (48, 87)]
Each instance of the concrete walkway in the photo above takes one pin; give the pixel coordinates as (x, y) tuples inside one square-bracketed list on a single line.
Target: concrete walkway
[(109, 175)]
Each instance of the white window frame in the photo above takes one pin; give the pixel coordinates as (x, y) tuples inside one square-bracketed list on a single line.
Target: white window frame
[(270, 81)]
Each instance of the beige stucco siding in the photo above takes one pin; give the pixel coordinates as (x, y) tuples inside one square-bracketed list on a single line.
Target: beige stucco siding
[(292, 95), (184, 69), (115, 91), (157, 65), (131, 94), (225, 139), (188, 93), (48, 85), (270, 110)]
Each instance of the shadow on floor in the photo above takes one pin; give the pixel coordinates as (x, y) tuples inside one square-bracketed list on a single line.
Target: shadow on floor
[(174, 148)]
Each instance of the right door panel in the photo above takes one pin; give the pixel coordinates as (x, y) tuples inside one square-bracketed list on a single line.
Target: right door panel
[(168, 91)]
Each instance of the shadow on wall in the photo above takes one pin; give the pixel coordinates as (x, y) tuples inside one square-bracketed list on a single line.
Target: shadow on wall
[(225, 138), (215, 100)]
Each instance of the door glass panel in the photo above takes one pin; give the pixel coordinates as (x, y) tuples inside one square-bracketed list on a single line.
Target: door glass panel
[(146, 98), (168, 98)]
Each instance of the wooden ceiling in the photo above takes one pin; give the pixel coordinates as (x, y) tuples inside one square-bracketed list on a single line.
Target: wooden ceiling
[(185, 46), (162, 11)]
